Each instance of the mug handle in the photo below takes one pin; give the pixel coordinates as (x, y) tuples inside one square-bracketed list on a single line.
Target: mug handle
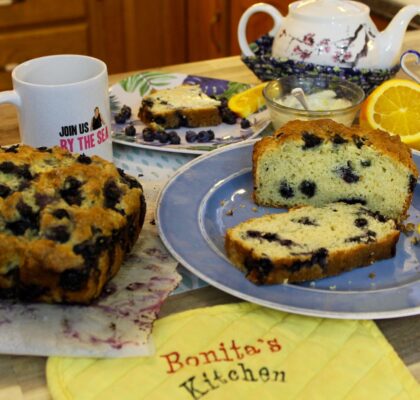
[(259, 7), (404, 67), (11, 97)]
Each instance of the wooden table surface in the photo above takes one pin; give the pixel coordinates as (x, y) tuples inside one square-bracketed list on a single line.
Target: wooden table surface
[(23, 377)]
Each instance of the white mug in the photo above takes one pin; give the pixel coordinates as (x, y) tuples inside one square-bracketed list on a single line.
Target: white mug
[(63, 101)]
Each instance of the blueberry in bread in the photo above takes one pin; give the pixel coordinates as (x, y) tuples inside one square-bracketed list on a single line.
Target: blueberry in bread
[(310, 243), (182, 106), (319, 162), (66, 223)]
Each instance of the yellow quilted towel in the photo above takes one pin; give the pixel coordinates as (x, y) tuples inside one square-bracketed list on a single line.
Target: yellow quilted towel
[(244, 351)]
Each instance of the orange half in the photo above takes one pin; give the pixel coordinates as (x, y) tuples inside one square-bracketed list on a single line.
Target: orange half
[(394, 107)]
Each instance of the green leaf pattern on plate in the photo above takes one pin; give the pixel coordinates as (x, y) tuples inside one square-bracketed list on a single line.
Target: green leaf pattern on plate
[(233, 88), (146, 81), (114, 103)]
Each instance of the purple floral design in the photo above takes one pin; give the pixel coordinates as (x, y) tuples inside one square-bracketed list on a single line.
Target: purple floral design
[(324, 46), (342, 57), (303, 54), (118, 324), (308, 39)]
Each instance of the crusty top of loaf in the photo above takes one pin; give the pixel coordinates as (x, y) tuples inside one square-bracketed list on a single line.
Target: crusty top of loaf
[(387, 144), (53, 200), (183, 96)]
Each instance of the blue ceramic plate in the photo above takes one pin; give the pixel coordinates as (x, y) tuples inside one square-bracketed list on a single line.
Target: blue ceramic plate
[(214, 192)]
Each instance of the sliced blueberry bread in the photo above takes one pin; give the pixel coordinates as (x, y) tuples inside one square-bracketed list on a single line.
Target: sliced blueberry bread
[(319, 162), (310, 243), (185, 105), (66, 223)]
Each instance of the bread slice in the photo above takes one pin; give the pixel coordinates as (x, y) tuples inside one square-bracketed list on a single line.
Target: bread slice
[(319, 162), (185, 105), (310, 243)]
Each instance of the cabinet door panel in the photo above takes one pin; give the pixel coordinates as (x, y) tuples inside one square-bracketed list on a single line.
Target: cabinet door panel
[(17, 47), (40, 11), (207, 29), (155, 33)]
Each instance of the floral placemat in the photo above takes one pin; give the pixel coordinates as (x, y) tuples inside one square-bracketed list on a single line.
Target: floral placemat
[(117, 325)]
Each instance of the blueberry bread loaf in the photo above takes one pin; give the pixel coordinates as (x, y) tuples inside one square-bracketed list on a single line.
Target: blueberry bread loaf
[(310, 243), (184, 105), (319, 162), (66, 223)]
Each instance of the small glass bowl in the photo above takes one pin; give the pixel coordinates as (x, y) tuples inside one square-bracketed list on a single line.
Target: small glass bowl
[(282, 87)]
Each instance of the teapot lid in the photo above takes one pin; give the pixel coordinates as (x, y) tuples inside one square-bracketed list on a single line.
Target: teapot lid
[(328, 8)]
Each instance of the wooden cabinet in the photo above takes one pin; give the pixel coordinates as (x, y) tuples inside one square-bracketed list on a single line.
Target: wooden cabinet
[(34, 28), (127, 34)]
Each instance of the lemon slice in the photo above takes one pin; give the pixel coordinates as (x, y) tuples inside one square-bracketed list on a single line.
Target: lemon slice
[(247, 102), (394, 107)]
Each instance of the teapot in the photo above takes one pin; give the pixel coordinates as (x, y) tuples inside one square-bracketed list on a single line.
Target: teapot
[(332, 32)]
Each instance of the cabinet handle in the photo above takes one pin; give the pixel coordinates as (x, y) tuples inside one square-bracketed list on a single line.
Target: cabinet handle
[(4, 3), (9, 66), (213, 35)]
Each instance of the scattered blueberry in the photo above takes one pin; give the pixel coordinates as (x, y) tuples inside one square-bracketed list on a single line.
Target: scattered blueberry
[(125, 111), (174, 138), (163, 137), (130, 130), (148, 135), (228, 116), (190, 136), (203, 137), (211, 134), (223, 102), (245, 124), (120, 119)]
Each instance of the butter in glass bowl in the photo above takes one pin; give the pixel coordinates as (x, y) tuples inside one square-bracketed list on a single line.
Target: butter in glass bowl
[(326, 96)]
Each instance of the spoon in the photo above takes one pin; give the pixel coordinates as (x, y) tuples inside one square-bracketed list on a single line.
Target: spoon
[(300, 96)]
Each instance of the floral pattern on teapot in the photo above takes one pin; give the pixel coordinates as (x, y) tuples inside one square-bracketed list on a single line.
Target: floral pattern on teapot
[(344, 52)]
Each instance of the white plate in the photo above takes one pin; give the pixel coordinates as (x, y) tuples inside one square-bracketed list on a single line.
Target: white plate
[(131, 90)]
